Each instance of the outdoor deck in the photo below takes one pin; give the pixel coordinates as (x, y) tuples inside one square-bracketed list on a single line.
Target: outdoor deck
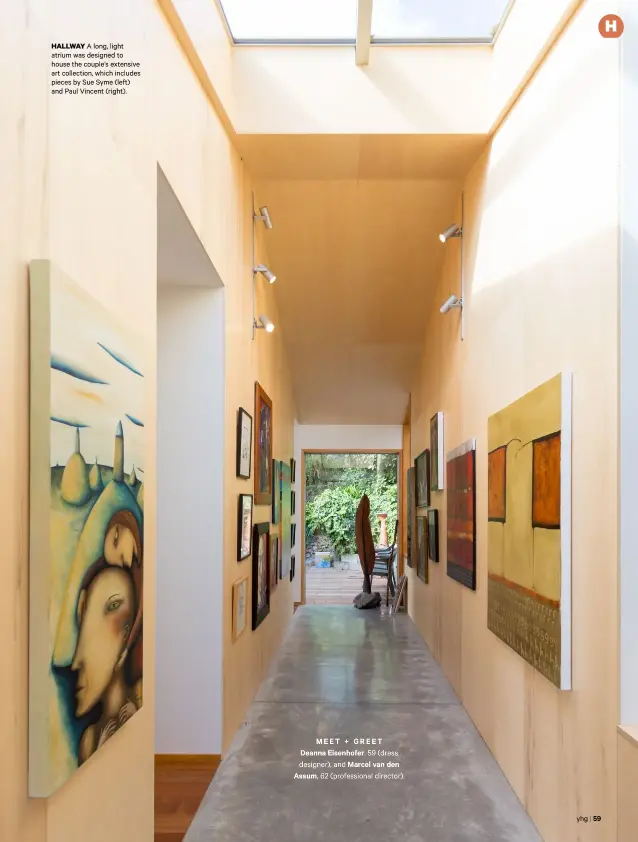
[(332, 586)]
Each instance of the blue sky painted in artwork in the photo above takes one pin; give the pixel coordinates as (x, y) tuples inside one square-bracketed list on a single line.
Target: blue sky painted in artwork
[(74, 370), (134, 420), (120, 359)]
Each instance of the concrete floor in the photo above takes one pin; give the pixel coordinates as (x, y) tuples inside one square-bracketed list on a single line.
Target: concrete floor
[(357, 674)]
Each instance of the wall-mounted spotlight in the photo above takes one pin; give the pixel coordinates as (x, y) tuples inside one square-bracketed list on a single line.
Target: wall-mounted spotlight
[(264, 216), (453, 230), (451, 303), (264, 323), (265, 271)]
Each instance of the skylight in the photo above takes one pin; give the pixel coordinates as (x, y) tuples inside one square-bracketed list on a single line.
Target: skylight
[(336, 20)]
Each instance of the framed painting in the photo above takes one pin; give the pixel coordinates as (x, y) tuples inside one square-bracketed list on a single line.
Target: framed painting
[(529, 528), (400, 595), (293, 502), (433, 534), (293, 534), (437, 466), (411, 514), (244, 526), (293, 471), (87, 454), (422, 479), (286, 522), (292, 568), (274, 559), (261, 573), (263, 448), (422, 548), (244, 443), (276, 491), (461, 514), (240, 606)]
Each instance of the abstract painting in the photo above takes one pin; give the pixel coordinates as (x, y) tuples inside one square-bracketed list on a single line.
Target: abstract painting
[(410, 516), (263, 447), (529, 528), (261, 573), (461, 514), (433, 534), (88, 449), (274, 558), (286, 525), (422, 469), (422, 570), (244, 526), (240, 606), (244, 443), (276, 496), (437, 467)]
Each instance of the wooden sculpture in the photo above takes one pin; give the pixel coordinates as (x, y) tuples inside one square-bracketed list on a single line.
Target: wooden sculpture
[(364, 541)]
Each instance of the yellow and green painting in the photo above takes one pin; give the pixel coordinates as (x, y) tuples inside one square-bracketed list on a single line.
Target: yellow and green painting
[(529, 528), (87, 527)]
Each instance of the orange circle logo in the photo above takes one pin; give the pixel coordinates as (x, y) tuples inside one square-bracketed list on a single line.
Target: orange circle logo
[(611, 26)]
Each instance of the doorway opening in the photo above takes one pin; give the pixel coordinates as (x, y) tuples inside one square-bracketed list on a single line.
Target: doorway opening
[(333, 484)]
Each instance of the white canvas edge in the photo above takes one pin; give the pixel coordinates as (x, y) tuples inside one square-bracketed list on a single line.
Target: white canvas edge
[(461, 450), (566, 533)]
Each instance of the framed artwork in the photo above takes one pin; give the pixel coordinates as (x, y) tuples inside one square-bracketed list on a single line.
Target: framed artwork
[(400, 594), (437, 466), (240, 606), (293, 470), (276, 491), (433, 534), (286, 524), (263, 448), (422, 548), (292, 568), (87, 454), (261, 573), (411, 513), (461, 514), (244, 526), (244, 443), (529, 528), (293, 502), (274, 561), (422, 470), (293, 534)]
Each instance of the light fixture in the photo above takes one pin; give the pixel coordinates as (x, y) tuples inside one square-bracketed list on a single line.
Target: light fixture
[(452, 230), (264, 323), (264, 216), (452, 302), (265, 271)]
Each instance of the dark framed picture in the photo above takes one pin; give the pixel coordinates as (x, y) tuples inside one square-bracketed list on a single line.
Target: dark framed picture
[(433, 534), (422, 470), (437, 466), (293, 502), (263, 447), (411, 513), (422, 548), (244, 526), (244, 443), (293, 470), (460, 477), (293, 534), (276, 491), (274, 559), (261, 573), (292, 568)]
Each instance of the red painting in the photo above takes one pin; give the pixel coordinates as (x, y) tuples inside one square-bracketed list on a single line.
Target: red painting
[(461, 514)]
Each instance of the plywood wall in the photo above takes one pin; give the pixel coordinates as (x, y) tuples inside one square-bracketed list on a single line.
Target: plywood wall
[(541, 265), (79, 187)]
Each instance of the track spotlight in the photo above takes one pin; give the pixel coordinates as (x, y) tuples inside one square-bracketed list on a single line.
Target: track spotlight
[(264, 323), (265, 271), (451, 303), (264, 216), (453, 230)]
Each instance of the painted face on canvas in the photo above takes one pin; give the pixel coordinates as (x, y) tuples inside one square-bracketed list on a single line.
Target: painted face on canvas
[(106, 609), (120, 546)]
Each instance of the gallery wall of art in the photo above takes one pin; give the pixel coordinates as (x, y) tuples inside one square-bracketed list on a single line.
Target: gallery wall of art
[(540, 301), (80, 189)]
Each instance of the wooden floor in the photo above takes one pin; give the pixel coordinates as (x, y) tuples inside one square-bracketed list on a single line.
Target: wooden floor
[(331, 586), (181, 782)]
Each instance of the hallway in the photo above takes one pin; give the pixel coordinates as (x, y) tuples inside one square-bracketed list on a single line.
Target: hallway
[(347, 674)]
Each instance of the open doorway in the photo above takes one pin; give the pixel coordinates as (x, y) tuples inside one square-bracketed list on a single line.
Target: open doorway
[(333, 484)]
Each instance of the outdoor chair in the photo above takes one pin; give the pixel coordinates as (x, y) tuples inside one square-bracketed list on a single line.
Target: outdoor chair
[(384, 558)]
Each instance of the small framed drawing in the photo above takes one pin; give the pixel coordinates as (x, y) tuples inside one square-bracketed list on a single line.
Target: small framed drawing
[(240, 606), (244, 443), (437, 460), (422, 471), (263, 447), (292, 568), (274, 561), (422, 548), (261, 573), (433, 534), (276, 489), (293, 470), (244, 526), (293, 502), (293, 534)]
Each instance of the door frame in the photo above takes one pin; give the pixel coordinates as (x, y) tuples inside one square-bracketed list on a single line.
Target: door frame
[(302, 518)]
